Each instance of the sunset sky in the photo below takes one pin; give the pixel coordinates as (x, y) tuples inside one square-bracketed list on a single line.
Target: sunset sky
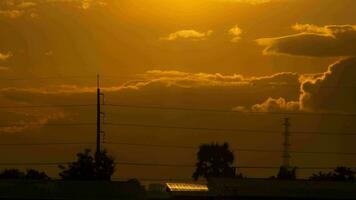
[(250, 57)]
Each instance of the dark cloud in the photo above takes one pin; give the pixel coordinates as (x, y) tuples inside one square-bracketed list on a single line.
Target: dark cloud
[(199, 90), (331, 91), (335, 90), (327, 41)]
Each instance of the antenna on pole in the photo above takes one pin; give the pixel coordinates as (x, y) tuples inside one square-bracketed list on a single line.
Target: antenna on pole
[(98, 81), (286, 144), (98, 116)]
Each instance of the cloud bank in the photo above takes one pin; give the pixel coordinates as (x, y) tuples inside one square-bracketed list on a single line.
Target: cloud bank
[(315, 41), (333, 90)]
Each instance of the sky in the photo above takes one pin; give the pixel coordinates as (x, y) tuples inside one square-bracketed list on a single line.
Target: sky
[(251, 58)]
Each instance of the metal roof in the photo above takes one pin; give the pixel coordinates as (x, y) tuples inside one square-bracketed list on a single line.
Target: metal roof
[(187, 187)]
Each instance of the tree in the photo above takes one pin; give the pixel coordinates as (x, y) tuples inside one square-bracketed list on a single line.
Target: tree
[(285, 173), (344, 174), (89, 167), (321, 176), (30, 174), (339, 174), (214, 160), (12, 174)]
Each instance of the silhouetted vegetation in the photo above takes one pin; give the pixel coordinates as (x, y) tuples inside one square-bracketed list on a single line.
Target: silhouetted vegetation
[(89, 167), (12, 174), (339, 174), (30, 174), (285, 173), (214, 160)]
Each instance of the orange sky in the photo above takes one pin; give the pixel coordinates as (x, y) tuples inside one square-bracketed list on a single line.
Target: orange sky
[(241, 55)]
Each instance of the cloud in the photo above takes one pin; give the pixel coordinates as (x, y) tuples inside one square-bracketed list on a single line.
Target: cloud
[(333, 90), (49, 53), (236, 33), (27, 120), (4, 57), (171, 79), (13, 14), (315, 41), (253, 2), (188, 35), (82, 4), (275, 105), (201, 84), (161, 87), (13, 9), (26, 4)]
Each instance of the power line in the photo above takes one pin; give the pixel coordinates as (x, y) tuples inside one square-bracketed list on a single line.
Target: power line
[(156, 164), (34, 164), (243, 131), (322, 133), (317, 87), (138, 78), (70, 124), (46, 144), (50, 106), (173, 147), (144, 164), (236, 131), (153, 107), (44, 125), (66, 77), (48, 125), (183, 109), (153, 145), (159, 179), (191, 128), (234, 150), (44, 78)]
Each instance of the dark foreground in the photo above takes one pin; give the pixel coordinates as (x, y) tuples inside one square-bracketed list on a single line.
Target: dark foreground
[(249, 189)]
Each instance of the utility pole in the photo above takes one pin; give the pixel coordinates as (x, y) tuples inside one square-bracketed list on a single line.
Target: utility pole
[(286, 144), (98, 116)]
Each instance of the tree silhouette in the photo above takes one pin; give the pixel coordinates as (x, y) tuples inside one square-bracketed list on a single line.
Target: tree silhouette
[(214, 160), (30, 174), (285, 173), (339, 174), (89, 167), (12, 174)]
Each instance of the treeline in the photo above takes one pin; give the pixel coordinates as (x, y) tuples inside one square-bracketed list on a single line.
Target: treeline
[(30, 174), (213, 161), (88, 166)]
